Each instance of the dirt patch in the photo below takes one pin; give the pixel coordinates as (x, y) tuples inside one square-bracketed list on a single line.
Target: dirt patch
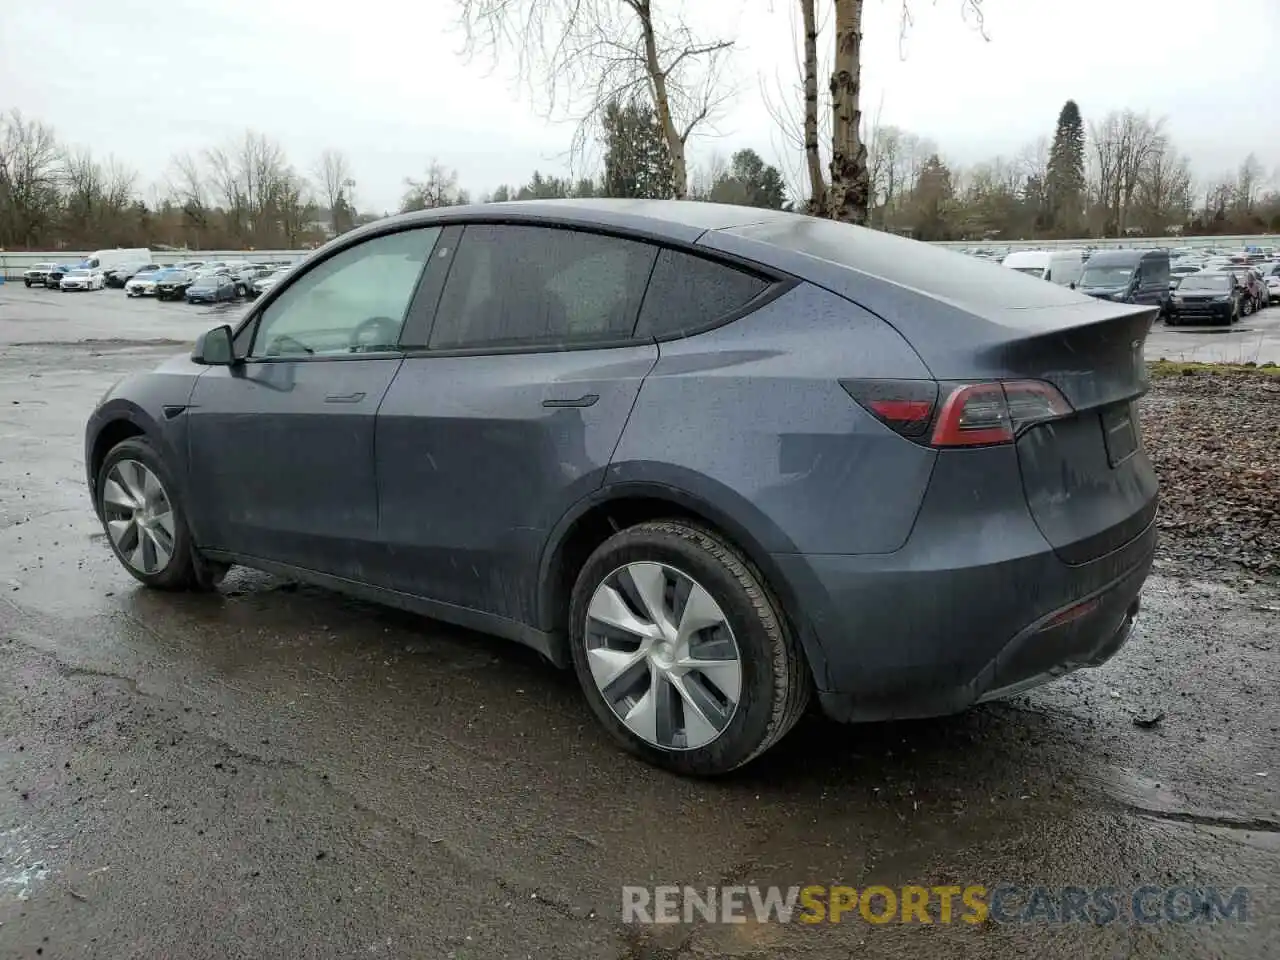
[(1214, 437)]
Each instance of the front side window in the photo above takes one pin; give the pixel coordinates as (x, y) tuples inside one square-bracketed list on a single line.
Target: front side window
[(353, 302), (514, 286)]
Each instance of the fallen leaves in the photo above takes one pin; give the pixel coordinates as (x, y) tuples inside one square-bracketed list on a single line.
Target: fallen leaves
[(1215, 442)]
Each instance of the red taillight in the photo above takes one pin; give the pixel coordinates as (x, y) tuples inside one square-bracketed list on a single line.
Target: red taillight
[(970, 415), (981, 414), (905, 406)]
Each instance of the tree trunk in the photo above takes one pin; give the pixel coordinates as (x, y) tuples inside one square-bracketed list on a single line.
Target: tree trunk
[(850, 179), (675, 142), (817, 182)]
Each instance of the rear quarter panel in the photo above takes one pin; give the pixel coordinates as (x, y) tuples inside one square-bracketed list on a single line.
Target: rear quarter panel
[(751, 417)]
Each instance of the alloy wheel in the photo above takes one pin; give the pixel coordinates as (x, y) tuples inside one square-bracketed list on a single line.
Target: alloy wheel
[(663, 656), (139, 516)]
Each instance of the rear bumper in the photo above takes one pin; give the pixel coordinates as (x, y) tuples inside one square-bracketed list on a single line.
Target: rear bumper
[(902, 637)]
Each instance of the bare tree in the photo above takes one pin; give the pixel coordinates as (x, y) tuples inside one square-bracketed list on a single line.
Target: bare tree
[(1123, 145), (1248, 183), (82, 182), (186, 181), (1033, 159), (259, 193), (337, 187), (849, 195), (585, 54), (803, 158), (1164, 187), (813, 158), (28, 178), (438, 188)]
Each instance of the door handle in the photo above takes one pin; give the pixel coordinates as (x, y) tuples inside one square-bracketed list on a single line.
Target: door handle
[(586, 400), (345, 397)]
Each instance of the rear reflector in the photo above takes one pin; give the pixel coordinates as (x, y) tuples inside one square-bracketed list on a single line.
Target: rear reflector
[(1072, 613), (969, 415)]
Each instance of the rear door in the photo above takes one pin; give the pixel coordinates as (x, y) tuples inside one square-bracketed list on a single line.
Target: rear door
[(281, 446), (507, 411)]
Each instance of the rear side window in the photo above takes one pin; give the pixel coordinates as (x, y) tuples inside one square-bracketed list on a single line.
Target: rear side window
[(689, 293), (513, 286)]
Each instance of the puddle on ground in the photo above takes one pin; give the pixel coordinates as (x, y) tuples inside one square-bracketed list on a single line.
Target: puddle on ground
[(20, 875)]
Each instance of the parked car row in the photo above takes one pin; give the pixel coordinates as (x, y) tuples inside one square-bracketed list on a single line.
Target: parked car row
[(197, 281), (1189, 286)]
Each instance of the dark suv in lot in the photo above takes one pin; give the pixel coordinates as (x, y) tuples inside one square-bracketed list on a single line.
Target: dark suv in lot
[(717, 460), (1207, 297)]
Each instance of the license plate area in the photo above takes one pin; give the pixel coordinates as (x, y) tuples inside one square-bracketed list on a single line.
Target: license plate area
[(1120, 433)]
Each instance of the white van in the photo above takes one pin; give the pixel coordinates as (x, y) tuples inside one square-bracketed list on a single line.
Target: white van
[(1064, 267), (119, 257)]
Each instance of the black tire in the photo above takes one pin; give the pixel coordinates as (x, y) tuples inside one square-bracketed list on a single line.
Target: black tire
[(27, 282), (775, 676), (186, 569), (1248, 306), (240, 290)]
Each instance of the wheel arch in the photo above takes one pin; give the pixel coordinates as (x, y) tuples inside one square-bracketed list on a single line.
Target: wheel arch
[(619, 505), (115, 423)]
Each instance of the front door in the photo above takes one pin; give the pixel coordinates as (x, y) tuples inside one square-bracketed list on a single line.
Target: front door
[(281, 445), (511, 413)]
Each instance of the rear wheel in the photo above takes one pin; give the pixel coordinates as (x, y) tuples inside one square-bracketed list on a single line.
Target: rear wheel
[(681, 651), (145, 522)]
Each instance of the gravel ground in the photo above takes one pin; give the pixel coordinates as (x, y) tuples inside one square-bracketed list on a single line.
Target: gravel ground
[(1215, 441)]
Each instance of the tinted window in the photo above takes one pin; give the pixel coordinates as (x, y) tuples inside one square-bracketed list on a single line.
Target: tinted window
[(353, 302), (688, 293), (517, 286)]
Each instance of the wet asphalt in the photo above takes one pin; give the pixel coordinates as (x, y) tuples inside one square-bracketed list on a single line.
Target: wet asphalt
[(274, 770)]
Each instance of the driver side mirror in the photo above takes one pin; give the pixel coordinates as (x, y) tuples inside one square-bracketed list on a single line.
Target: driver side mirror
[(214, 348)]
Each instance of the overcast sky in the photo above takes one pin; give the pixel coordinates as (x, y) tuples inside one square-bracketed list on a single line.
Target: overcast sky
[(383, 81)]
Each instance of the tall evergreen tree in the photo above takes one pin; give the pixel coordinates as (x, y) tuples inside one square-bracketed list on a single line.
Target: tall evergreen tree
[(750, 182), (1064, 180), (636, 160)]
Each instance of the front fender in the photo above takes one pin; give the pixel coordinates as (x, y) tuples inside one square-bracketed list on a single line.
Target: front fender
[(151, 404)]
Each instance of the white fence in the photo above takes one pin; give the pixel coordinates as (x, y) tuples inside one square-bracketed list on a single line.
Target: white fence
[(12, 264)]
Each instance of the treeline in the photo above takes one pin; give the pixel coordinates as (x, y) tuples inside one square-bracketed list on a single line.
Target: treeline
[(247, 194), (1121, 175)]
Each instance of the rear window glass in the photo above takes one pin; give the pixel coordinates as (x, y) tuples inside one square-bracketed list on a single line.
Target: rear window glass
[(973, 284), (687, 293)]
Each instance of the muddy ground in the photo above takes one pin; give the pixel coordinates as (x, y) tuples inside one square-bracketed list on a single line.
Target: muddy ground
[(273, 771)]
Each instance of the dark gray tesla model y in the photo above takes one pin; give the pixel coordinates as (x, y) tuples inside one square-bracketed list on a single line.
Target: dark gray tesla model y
[(716, 459)]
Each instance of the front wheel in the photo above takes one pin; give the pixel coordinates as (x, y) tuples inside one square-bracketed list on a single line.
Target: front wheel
[(240, 290), (145, 522), (27, 282), (1248, 306), (681, 651)]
